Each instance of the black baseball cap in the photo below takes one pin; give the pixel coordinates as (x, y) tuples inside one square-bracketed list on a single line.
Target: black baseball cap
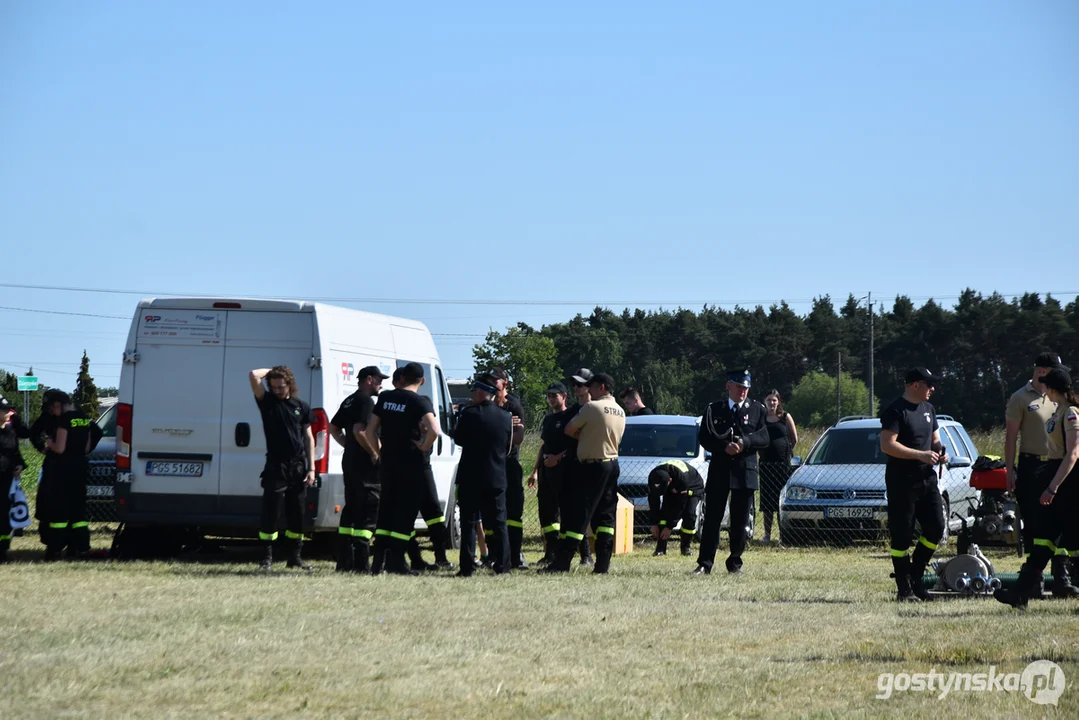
[(5, 405), (557, 387), (412, 370), (1049, 360), (497, 373), (582, 376), (602, 379), (920, 373), (369, 371), (1057, 379)]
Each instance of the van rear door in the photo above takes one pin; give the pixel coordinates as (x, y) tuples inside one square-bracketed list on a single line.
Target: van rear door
[(256, 339), (176, 404)]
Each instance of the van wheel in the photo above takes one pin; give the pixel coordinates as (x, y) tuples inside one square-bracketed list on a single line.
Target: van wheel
[(454, 520)]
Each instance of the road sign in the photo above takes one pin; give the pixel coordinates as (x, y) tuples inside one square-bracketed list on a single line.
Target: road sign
[(27, 383)]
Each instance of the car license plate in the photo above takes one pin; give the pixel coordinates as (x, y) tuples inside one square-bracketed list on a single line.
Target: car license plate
[(174, 469), (99, 491), (849, 512)]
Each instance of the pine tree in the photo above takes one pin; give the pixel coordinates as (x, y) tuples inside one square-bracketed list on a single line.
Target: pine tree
[(85, 395)]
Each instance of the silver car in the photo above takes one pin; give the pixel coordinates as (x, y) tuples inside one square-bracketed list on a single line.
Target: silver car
[(838, 493), (651, 440)]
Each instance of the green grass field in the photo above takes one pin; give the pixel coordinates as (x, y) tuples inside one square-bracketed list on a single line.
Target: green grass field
[(802, 633)]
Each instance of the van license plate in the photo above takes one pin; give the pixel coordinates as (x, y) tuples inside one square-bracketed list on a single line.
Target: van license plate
[(174, 469), (99, 491), (849, 512)]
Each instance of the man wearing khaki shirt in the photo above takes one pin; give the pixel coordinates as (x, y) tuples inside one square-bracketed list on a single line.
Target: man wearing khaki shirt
[(1027, 412), (598, 428)]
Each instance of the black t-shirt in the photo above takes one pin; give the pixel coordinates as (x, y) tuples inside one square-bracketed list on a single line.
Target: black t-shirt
[(283, 422), (401, 413), (914, 426), (514, 407), (356, 408), (553, 433), (80, 430), (571, 442), (643, 411)]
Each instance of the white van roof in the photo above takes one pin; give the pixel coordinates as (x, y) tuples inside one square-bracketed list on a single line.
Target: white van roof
[(269, 305)]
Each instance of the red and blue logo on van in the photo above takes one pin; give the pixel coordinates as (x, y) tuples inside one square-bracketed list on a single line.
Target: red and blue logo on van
[(347, 370)]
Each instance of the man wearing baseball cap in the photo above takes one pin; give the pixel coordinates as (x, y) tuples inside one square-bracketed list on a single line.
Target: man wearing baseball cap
[(733, 430), (580, 379), (910, 438), (359, 514), (547, 474), (1028, 411)]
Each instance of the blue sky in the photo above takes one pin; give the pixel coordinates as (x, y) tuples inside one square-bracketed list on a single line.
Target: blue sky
[(600, 153)]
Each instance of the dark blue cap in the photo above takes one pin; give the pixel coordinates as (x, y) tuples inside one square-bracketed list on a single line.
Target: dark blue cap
[(480, 385), (740, 377)]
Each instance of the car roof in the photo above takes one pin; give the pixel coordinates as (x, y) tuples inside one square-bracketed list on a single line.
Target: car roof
[(873, 423), (664, 420)]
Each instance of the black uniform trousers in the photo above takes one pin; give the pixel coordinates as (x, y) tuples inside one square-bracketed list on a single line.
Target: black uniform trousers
[(548, 492), (61, 508), (593, 500), (359, 518), (515, 507), (5, 512), (913, 495), (570, 469), (676, 506), (403, 481), (718, 489), (283, 484), (489, 504), (1056, 531), (1030, 483)]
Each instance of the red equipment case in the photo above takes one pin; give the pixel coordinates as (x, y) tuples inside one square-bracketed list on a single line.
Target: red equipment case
[(989, 479)]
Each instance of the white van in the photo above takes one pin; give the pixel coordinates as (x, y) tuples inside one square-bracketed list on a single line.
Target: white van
[(189, 441)]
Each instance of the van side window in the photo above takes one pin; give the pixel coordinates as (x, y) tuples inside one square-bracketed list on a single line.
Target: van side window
[(445, 404)]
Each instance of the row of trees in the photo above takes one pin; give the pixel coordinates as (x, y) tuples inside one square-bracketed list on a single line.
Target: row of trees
[(86, 396), (984, 346)]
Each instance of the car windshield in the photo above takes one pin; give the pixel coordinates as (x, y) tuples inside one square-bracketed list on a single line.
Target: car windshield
[(644, 440), (849, 447)]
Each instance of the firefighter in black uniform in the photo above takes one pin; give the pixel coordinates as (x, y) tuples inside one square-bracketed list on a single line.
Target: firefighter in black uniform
[(360, 512), (910, 438), (570, 463), (49, 506), (1056, 532), (515, 492), (675, 490), (485, 433), (409, 431), (432, 514), (11, 464), (76, 437), (290, 456), (548, 469), (733, 430)]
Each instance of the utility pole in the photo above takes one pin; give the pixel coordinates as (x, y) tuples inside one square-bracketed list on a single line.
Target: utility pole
[(838, 392), (871, 396)]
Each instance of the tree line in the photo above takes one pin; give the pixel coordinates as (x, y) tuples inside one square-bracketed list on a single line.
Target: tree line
[(983, 346)]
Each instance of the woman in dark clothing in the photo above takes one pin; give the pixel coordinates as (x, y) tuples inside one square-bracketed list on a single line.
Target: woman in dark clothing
[(775, 461)]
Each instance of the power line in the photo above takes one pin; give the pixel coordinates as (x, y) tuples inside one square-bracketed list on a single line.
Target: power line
[(62, 312)]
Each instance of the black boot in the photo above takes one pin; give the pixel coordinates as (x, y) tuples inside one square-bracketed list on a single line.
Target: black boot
[(901, 573), (378, 556), (1062, 586), (1019, 594), (267, 557), (516, 535), (53, 553), (415, 557), (586, 554), (550, 547), (661, 548), (346, 553), (604, 550), (294, 559), (918, 563), (563, 557), (687, 541), (361, 553), (440, 538), (395, 561)]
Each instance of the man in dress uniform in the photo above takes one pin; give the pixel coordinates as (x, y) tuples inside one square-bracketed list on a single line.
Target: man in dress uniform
[(733, 430), (485, 434), (515, 491)]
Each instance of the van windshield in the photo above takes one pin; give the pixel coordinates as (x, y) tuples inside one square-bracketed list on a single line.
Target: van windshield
[(646, 440)]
